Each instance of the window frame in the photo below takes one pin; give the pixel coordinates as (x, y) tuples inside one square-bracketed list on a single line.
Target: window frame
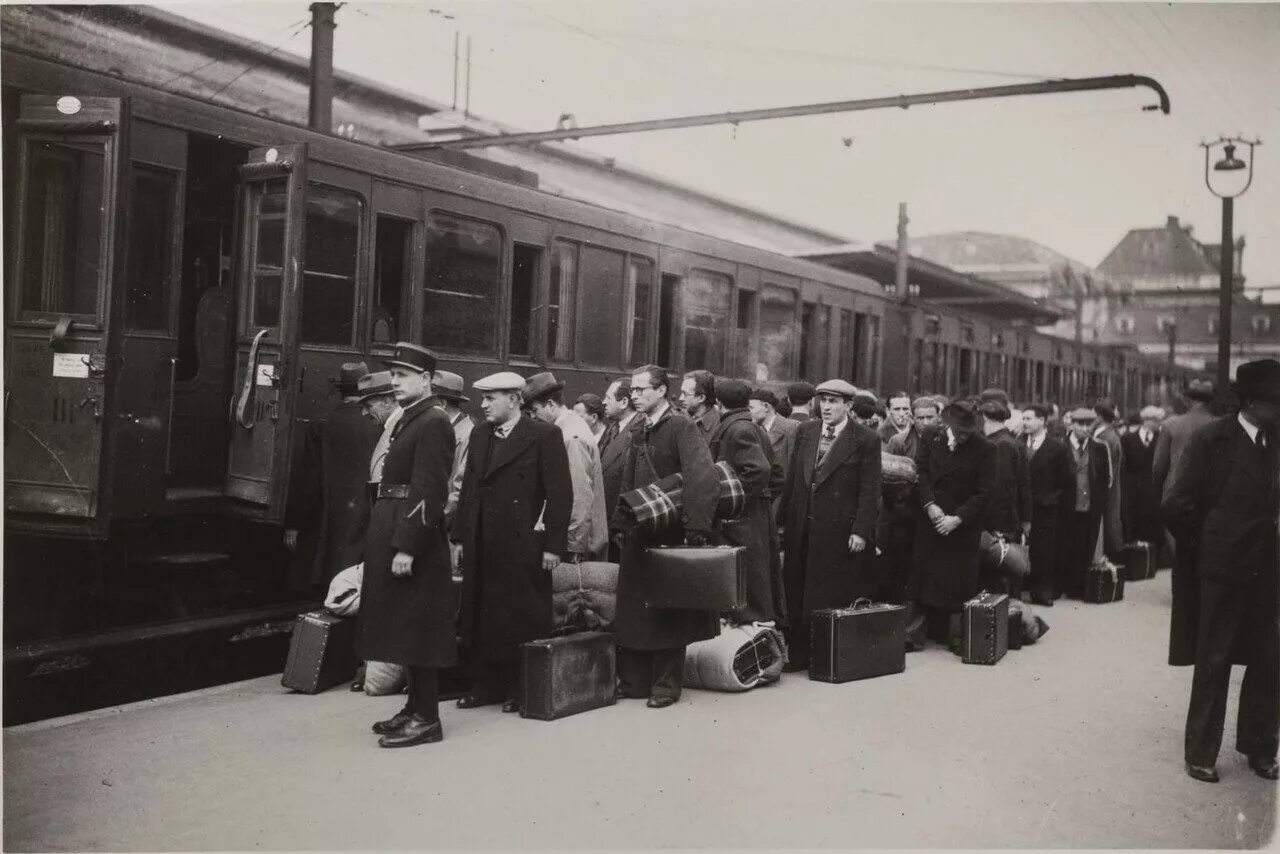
[(766, 284), (500, 300), (360, 299), (176, 237)]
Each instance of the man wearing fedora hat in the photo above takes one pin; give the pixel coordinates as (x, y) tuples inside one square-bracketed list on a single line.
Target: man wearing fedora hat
[(325, 510), (1224, 507), (447, 388), (513, 523)]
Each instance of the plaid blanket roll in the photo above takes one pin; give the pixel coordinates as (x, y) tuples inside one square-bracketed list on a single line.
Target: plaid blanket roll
[(657, 506)]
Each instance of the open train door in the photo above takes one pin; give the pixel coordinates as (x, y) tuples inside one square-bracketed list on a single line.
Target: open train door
[(270, 251), (58, 346)]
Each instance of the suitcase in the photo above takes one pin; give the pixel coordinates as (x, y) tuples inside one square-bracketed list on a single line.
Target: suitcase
[(322, 653), (984, 628), (1103, 583), (1139, 561), (702, 579), (860, 642), (567, 675)]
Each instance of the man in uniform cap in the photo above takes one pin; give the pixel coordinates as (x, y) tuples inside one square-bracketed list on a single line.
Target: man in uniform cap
[(830, 507), (799, 394), (1224, 508), (517, 473)]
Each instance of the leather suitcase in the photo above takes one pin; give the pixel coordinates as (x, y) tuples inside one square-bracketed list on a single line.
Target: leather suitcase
[(1103, 584), (711, 578), (1139, 561), (322, 653), (567, 675), (861, 642), (984, 628)]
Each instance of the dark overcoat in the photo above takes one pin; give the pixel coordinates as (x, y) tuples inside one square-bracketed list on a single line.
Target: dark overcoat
[(1174, 436), (1222, 509), (1009, 504), (1053, 483), (959, 482), (613, 458), (506, 594), (1141, 511), (1112, 530), (822, 506), (410, 620), (744, 446), (674, 444)]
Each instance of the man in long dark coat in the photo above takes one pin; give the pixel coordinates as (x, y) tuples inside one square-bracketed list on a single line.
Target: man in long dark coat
[(517, 469), (617, 437), (406, 613), (954, 480), (1105, 431), (739, 442), (1052, 483), (1141, 511), (830, 507), (652, 641), (1008, 511), (1224, 506), (1083, 512), (698, 399)]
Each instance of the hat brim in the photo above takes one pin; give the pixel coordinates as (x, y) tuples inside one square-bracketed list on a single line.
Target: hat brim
[(1260, 392), (450, 395), (369, 395), (396, 363), (532, 395)]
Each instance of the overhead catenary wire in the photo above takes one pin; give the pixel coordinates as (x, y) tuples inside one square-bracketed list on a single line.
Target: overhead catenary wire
[(258, 64), (220, 59)]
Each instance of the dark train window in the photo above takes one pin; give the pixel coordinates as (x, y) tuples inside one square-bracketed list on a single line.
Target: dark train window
[(744, 346), (524, 285), (873, 358), (63, 209), (460, 286), (847, 364), (562, 301), (636, 302), (329, 273), (777, 331), (152, 199), (706, 307), (267, 204), (667, 319), (807, 312), (917, 364), (600, 281), (392, 255), (822, 340), (860, 350)]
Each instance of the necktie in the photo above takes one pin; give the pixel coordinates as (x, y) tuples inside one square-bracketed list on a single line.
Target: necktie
[(610, 433), (824, 442), (1260, 440), (1031, 444)]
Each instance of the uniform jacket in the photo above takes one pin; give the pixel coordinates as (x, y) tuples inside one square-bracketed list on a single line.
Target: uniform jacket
[(612, 459), (1171, 441), (822, 506), (1009, 504), (782, 438), (588, 524)]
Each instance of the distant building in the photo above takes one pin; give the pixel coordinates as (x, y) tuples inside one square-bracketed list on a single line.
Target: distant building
[(1169, 259)]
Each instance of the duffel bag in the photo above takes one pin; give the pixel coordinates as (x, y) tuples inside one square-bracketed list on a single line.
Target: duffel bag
[(738, 659), (1010, 559)]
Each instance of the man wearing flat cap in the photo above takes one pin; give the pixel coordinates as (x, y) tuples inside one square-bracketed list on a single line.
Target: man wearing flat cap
[(830, 507), (1140, 514), (406, 600), (517, 473), (1224, 507), (1082, 512), (326, 504)]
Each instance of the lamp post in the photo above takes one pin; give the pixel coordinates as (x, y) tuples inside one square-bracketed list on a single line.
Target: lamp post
[(1228, 164)]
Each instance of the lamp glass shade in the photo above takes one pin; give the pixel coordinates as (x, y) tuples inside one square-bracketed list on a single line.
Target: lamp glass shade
[(1229, 161)]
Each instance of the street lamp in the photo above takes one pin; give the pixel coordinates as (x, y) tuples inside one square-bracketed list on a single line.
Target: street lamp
[(1228, 164)]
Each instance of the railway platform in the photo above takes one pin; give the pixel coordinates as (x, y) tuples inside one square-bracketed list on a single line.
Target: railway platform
[(1073, 742)]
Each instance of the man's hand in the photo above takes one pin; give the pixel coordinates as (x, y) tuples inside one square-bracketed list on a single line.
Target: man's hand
[(935, 513), (947, 524), (550, 560), (291, 539), (856, 544), (402, 565)]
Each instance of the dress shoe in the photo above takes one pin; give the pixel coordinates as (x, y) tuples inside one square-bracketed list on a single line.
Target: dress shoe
[(473, 701), (357, 686), (1265, 767), (393, 723), (660, 702), (1203, 773), (417, 730), (510, 707)]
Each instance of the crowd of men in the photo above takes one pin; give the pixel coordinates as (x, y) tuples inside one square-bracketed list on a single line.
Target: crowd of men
[(537, 481)]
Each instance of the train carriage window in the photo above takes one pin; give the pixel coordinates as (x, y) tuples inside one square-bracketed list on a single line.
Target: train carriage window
[(460, 284), (329, 272), (392, 254), (600, 279), (267, 203), (873, 357), (859, 349), (525, 264), (847, 359), (706, 305), (917, 363), (152, 199), (777, 331), (64, 208), (807, 312), (744, 345), (822, 340), (562, 299), (639, 290), (667, 319)]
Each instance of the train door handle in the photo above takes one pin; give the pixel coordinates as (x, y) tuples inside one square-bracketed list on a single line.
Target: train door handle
[(94, 401)]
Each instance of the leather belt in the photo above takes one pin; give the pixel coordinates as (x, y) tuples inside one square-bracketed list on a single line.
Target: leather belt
[(390, 490)]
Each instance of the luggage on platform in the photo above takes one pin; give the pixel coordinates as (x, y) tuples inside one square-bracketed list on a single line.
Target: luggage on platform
[(738, 659), (984, 628), (1139, 561), (322, 653), (1103, 582), (382, 678), (567, 675), (584, 596), (1010, 560), (709, 578), (865, 640)]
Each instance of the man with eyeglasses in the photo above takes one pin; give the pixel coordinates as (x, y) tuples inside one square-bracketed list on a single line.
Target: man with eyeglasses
[(652, 641), (698, 399)]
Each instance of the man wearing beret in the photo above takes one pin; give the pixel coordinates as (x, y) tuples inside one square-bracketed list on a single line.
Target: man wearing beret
[(1224, 508), (800, 396), (830, 507), (652, 641), (517, 473)]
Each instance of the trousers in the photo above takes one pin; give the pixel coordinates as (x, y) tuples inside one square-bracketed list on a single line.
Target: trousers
[(651, 673), (423, 692)]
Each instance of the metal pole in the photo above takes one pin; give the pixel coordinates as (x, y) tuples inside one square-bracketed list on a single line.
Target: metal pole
[(1173, 344), (900, 266), (1225, 288), (466, 109), (455, 70), (320, 107)]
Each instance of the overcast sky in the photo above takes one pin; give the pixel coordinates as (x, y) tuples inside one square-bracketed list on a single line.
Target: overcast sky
[(1074, 172)]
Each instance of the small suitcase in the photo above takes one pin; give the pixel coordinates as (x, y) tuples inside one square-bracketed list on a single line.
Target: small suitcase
[(866, 640), (702, 579), (1103, 583), (984, 628), (322, 653), (1139, 561), (567, 675)]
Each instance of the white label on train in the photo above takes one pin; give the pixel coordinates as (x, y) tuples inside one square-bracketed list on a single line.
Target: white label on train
[(72, 365), (266, 374)]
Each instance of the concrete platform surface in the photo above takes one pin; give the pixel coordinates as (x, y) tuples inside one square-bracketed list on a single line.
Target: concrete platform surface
[(1073, 742)]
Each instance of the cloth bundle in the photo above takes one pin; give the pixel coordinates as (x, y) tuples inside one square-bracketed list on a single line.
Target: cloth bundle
[(382, 678), (584, 596), (738, 659), (1032, 626), (997, 554), (344, 592), (897, 470), (657, 506)]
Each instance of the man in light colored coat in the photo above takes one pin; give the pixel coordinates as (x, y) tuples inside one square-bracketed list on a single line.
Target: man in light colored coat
[(448, 389)]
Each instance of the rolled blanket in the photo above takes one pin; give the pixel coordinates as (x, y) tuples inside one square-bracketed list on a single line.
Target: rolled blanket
[(896, 470), (584, 596), (657, 506), (739, 659), (996, 553), (343, 599)]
